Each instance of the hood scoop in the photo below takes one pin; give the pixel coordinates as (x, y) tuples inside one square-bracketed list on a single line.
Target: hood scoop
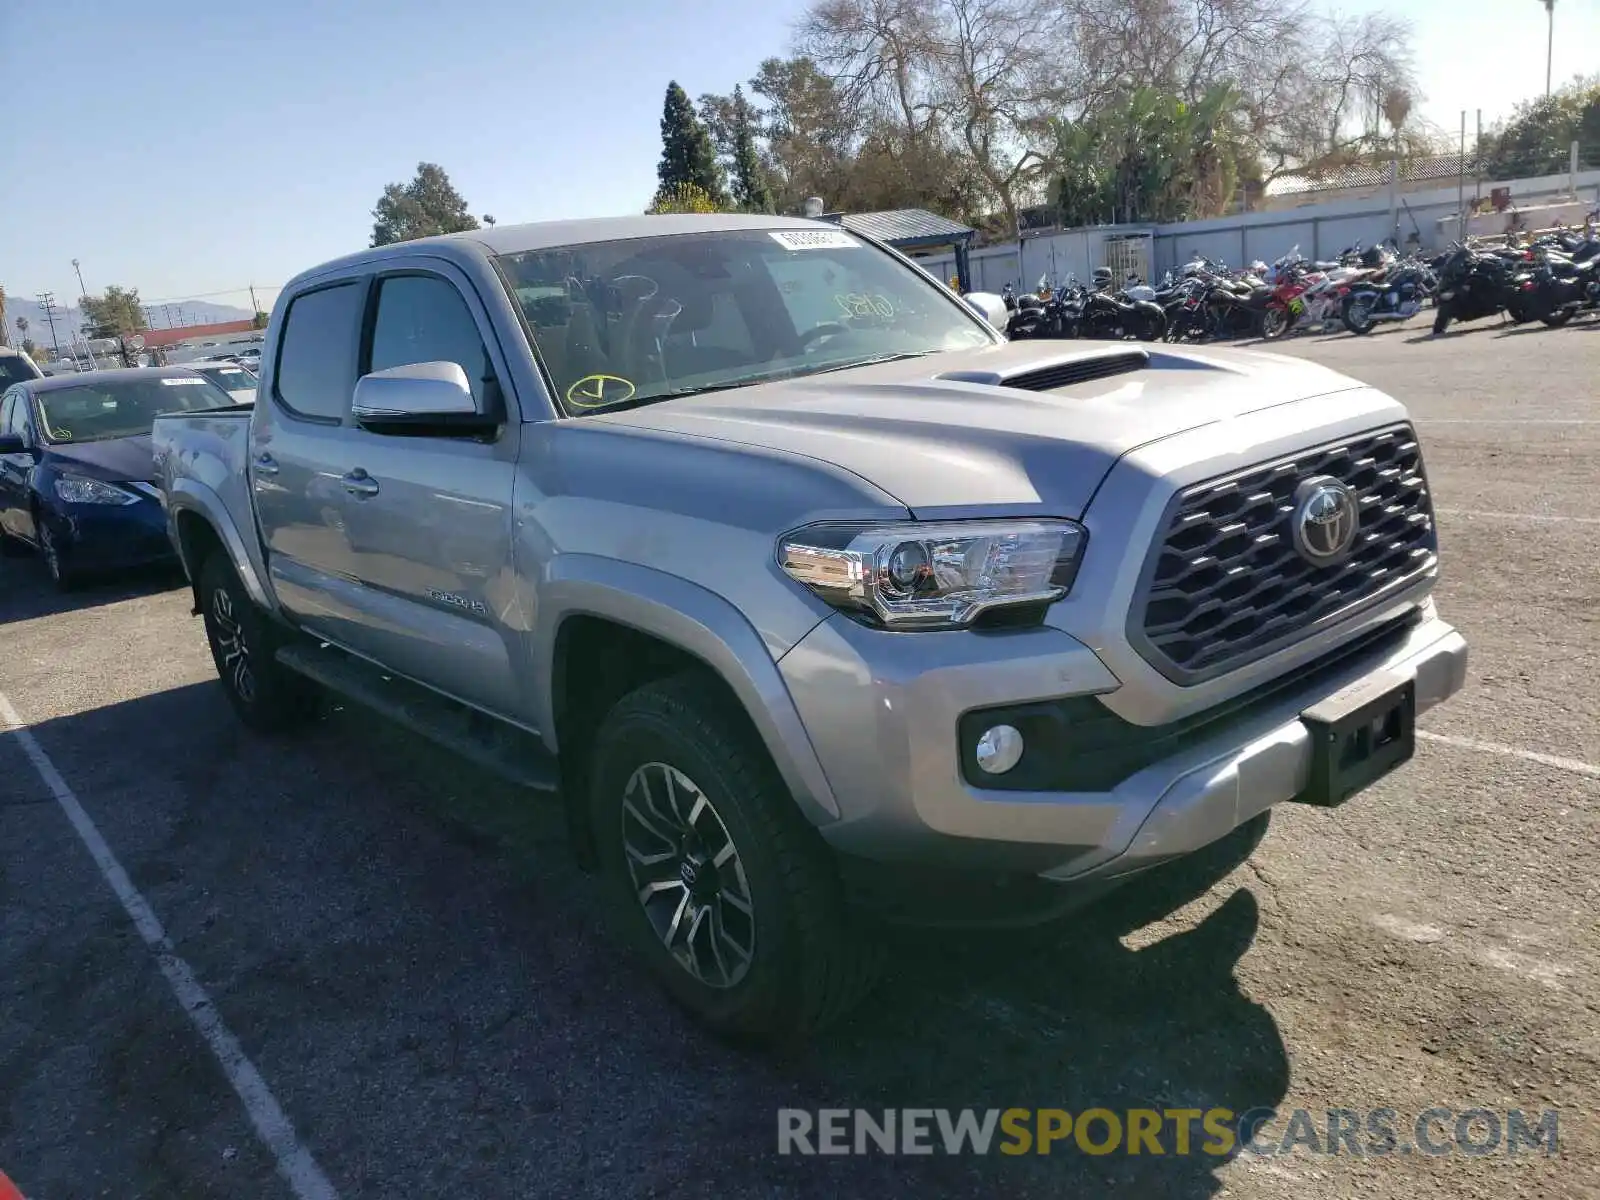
[(1080, 369)]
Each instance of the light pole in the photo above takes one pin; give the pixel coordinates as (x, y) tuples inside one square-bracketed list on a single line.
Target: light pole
[(82, 291), (1550, 42)]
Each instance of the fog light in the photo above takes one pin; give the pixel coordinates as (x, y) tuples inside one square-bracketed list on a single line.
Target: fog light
[(999, 749)]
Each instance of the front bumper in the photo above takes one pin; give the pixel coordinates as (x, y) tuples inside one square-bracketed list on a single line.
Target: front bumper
[(99, 537), (883, 712)]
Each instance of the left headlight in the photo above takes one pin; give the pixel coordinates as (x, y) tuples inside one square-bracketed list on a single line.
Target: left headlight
[(935, 575), (76, 490)]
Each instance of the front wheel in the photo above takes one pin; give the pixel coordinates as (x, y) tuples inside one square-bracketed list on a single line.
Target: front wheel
[(1274, 324), (267, 696), (714, 878), (1357, 314)]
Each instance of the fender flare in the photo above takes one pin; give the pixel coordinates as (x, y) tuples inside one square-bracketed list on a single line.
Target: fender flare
[(192, 496), (698, 622)]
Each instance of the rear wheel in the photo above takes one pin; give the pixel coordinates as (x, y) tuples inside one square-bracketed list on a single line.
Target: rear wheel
[(1274, 323), (1558, 318), (714, 879), (267, 696)]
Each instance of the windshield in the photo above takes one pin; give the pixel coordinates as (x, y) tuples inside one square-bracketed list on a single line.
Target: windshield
[(99, 411), (14, 369), (232, 379), (626, 322)]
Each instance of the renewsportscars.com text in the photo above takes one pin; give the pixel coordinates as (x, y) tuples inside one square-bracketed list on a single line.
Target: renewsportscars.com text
[(1218, 1132)]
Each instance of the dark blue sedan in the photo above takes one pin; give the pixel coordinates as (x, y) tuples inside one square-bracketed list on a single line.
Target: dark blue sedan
[(76, 473)]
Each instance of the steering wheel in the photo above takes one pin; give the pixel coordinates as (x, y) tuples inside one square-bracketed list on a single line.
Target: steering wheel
[(826, 329)]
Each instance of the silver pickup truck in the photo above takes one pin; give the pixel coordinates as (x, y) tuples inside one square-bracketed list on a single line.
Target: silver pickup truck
[(818, 603)]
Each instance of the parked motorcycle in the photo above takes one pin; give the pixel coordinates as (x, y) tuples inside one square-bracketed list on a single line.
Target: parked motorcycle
[(1105, 314), (1396, 295), (1474, 284), (1566, 282)]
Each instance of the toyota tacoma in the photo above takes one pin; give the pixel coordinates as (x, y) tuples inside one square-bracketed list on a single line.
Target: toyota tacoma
[(818, 603)]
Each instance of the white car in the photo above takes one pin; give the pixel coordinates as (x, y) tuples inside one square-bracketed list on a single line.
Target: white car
[(239, 382)]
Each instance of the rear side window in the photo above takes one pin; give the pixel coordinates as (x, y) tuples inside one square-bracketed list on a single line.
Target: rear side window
[(423, 318), (317, 352)]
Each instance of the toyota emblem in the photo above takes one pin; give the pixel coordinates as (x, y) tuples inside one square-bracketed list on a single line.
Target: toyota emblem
[(1326, 519)]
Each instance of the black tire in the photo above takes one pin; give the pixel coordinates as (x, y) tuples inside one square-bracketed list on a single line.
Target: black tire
[(1360, 303), (1558, 318), (267, 697), (1441, 318), (1274, 324), (809, 963)]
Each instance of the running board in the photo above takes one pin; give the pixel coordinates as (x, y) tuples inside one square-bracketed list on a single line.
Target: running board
[(503, 749)]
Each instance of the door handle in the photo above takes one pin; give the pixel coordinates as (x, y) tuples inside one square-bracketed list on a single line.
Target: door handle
[(266, 464), (359, 483)]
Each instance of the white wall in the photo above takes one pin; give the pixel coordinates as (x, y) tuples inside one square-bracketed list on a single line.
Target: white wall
[(1320, 231)]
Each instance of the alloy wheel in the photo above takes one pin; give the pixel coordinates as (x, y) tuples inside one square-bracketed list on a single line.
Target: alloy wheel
[(232, 649), (687, 875)]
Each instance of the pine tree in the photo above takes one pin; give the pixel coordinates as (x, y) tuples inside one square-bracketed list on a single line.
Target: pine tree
[(687, 156), (750, 190)]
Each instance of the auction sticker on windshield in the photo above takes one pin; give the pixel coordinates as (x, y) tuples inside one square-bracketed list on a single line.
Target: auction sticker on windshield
[(814, 239), (183, 382)]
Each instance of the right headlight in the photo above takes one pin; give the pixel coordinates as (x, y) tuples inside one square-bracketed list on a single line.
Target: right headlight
[(935, 575)]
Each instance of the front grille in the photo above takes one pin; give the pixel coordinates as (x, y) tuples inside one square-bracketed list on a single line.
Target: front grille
[(1226, 584)]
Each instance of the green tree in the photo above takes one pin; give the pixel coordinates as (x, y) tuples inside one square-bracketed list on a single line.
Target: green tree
[(117, 313), (687, 155), (682, 198), (259, 321), (1538, 138), (427, 206), (750, 190)]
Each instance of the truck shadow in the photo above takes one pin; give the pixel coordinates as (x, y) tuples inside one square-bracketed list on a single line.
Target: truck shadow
[(424, 972)]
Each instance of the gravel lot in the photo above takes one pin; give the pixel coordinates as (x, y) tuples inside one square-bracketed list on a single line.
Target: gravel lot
[(406, 954)]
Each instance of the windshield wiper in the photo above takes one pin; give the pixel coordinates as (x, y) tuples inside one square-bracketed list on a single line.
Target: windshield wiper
[(872, 362), (729, 385)]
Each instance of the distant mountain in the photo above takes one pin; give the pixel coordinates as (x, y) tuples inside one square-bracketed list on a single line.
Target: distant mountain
[(68, 320)]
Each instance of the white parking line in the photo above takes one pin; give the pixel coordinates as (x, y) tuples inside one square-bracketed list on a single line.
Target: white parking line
[(1575, 765), (1510, 516), (294, 1161)]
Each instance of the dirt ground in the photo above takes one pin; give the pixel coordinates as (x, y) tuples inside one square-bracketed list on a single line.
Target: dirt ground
[(405, 953)]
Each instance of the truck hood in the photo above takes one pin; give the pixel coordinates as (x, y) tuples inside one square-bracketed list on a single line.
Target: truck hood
[(966, 431)]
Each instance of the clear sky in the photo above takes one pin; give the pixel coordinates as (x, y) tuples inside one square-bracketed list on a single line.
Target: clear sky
[(190, 147)]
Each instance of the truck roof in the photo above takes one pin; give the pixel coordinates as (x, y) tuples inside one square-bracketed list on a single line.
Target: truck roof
[(540, 235)]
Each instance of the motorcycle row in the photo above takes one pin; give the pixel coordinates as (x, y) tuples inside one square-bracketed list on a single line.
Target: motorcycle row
[(1551, 277)]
